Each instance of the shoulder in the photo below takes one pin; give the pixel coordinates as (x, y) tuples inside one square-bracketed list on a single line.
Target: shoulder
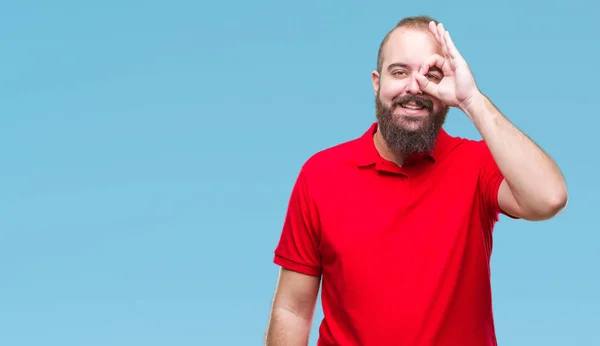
[(319, 172), (334, 159), (464, 149)]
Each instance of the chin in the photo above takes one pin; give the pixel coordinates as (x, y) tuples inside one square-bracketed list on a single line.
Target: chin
[(411, 126), (411, 123)]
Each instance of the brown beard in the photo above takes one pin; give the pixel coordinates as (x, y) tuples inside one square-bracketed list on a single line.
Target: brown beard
[(401, 140)]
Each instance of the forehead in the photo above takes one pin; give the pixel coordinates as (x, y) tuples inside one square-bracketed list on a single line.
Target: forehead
[(410, 46)]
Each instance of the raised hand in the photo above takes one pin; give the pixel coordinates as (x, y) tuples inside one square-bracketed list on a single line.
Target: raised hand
[(458, 86)]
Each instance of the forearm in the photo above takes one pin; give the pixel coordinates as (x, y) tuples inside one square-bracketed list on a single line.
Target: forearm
[(287, 328), (533, 177)]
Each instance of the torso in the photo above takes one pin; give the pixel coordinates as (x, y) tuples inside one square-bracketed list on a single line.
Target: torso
[(405, 258)]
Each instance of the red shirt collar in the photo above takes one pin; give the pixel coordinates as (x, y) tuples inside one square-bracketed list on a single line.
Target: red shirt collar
[(367, 154)]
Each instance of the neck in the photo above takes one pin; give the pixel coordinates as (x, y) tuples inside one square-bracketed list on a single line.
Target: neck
[(385, 152)]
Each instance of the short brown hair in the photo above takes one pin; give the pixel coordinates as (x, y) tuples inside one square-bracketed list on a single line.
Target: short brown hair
[(421, 22)]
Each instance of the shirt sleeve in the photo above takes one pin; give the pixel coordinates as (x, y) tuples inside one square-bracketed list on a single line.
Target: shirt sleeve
[(490, 179), (298, 247)]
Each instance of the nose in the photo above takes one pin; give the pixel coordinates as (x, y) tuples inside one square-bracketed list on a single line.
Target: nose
[(413, 85)]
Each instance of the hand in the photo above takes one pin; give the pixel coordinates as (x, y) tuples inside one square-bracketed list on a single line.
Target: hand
[(457, 88)]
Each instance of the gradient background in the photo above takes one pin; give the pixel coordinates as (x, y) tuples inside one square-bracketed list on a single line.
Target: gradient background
[(148, 151)]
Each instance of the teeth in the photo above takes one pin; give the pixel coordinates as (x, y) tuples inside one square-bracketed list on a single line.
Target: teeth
[(412, 107)]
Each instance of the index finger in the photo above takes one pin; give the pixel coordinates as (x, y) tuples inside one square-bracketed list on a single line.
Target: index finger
[(434, 62)]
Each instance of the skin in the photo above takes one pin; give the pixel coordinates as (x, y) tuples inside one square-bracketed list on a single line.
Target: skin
[(405, 53), (293, 309), (534, 188), (425, 62)]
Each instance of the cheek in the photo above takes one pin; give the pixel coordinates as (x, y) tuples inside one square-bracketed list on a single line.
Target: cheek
[(438, 105), (391, 89)]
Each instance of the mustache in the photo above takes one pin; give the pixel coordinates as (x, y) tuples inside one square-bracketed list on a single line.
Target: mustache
[(419, 101)]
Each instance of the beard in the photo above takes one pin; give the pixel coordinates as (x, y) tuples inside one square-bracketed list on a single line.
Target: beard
[(407, 141)]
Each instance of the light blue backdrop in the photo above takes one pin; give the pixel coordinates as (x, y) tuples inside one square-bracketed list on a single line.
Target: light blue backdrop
[(148, 150)]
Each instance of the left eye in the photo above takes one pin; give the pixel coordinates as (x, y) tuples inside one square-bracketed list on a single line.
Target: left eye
[(430, 76)]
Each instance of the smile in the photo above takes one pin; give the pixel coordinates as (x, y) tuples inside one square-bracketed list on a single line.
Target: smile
[(412, 107)]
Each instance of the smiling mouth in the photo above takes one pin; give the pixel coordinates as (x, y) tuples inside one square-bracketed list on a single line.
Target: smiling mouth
[(412, 107)]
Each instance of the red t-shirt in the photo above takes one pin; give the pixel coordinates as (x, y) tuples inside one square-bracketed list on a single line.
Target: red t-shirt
[(404, 253)]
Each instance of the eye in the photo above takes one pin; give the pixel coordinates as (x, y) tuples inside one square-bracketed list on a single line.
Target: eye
[(399, 73), (433, 77)]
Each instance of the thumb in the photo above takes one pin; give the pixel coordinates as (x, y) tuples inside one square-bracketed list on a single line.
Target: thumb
[(426, 85)]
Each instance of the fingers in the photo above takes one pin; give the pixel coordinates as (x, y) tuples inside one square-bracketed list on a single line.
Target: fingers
[(426, 85), (452, 51), (434, 30), (442, 34), (435, 60), (448, 48)]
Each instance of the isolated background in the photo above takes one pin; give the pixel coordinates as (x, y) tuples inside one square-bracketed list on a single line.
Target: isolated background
[(148, 150)]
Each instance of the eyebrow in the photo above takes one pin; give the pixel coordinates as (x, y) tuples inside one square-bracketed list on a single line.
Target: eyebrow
[(401, 65), (396, 64)]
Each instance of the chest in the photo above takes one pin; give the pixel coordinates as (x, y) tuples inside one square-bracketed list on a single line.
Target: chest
[(395, 217)]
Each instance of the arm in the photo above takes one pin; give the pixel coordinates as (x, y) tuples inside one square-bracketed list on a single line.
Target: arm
[(298, 255), (533, 186), (293, 309)]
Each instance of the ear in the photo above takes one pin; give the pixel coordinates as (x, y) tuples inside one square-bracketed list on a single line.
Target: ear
[(375, 79)]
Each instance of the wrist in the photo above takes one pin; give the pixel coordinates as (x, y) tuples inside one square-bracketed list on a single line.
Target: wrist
[(475, 106)]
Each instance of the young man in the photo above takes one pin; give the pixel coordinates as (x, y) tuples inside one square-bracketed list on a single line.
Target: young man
[(397, 224)]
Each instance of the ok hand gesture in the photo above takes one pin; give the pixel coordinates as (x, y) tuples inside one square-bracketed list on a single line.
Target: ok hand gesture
[(458, 86)]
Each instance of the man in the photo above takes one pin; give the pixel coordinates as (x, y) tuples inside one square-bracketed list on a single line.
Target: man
[(397, 224)]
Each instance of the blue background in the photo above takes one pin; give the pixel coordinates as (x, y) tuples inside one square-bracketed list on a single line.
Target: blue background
[(148, 151)]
